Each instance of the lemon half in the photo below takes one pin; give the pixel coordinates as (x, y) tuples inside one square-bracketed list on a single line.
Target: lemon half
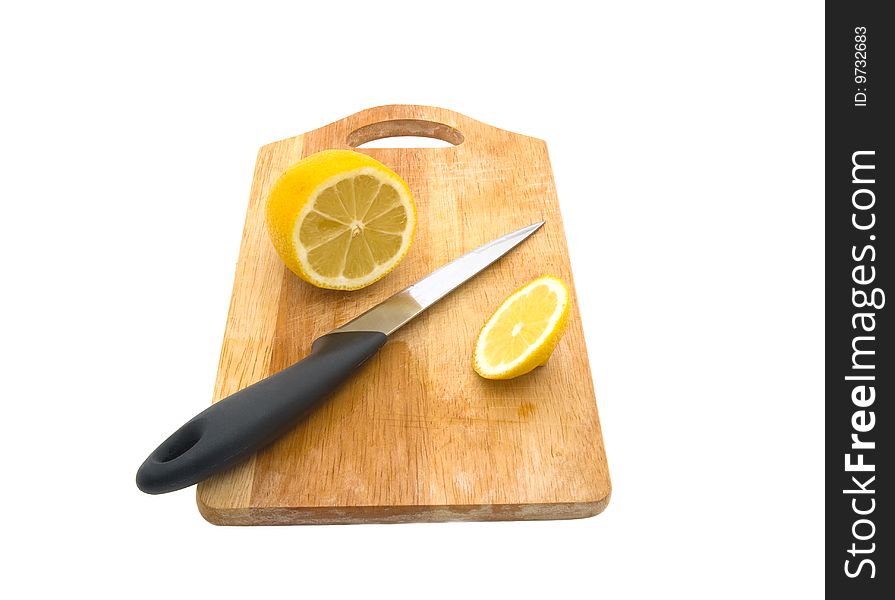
[(524, 330), (341, 220)]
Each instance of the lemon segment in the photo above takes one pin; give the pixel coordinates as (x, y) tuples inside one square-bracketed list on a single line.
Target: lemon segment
[(340, 219), (523, 331)]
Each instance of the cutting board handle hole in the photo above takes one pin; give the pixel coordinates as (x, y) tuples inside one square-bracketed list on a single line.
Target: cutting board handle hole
[(180, 443), (405, 133)]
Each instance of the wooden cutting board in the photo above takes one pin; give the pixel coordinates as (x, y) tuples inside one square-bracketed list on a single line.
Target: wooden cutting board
[(416, 435)]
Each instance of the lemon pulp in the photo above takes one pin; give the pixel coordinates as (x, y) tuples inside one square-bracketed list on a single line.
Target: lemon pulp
[(353, 228)]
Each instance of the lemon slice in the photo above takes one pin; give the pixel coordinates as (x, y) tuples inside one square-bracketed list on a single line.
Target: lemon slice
[(524, 330), (340, 219)]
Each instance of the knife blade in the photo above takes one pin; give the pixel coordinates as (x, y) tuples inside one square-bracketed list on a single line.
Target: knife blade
[(237, 426)]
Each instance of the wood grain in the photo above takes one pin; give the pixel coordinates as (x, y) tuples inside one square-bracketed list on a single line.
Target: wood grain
[(416, 435)]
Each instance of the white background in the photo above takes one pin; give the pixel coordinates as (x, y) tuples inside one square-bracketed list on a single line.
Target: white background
[(687, 146)]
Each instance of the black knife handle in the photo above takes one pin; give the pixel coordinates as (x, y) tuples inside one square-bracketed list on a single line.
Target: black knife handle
[(232, 429)]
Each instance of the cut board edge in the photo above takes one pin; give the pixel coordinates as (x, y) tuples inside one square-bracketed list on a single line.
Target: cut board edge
[(392, 119), (333, 515)]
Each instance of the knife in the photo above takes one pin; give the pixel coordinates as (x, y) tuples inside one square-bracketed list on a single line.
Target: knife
[(239, 425)]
